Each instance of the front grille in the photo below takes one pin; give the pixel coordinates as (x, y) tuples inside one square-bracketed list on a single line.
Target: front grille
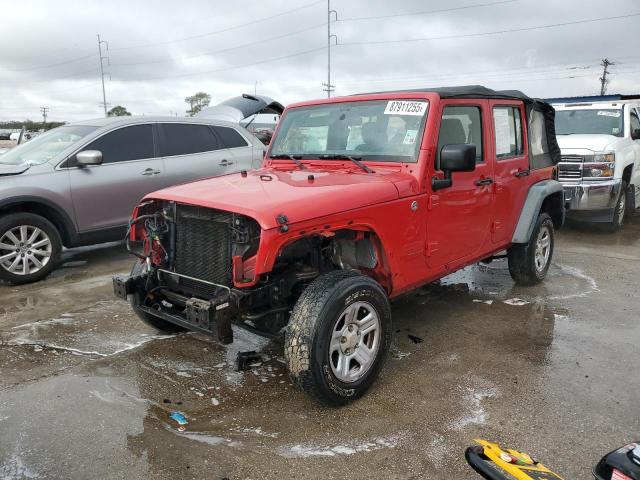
[(570, 169), (203, 247)]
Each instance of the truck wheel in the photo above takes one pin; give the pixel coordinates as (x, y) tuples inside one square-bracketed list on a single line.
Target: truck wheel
[(622, 209), (151, 320), (338, 337), (529, 262), (30, 247)]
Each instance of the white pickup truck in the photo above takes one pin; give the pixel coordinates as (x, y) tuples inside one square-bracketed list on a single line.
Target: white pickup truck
[(600, 167)]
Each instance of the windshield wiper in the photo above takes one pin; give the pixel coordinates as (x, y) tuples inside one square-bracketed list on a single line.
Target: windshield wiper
[(342, 156), (293, 158)]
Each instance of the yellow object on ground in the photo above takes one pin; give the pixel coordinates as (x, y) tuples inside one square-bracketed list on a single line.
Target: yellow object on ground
[(518, 464)]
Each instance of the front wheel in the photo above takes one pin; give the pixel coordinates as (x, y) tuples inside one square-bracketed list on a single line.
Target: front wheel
[(151, 320), (529, 262), (338, 337), (621, 210), (30, 247)]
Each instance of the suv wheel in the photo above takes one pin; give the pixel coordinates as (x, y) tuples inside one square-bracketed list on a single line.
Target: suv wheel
[(622, 208), (529, 262), (338, 337), (30, 247), (151, 320)]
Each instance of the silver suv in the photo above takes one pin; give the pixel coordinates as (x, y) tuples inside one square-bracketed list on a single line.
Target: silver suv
[(77, 184)]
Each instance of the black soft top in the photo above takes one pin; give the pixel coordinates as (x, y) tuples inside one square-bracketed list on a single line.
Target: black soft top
[(549, 152)]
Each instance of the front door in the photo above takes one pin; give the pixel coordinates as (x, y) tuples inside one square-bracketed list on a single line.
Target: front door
[(460, 216), (509, 151), (104, 195)]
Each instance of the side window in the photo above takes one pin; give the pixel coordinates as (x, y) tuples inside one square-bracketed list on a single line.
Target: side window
[(185, 138), (230, 137), (128, 143), (634, 122), (460, 124), (537, 134), (508, 132)]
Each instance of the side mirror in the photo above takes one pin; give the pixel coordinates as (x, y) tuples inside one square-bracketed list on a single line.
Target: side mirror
[(459, 157), (635, 134), (89, 157)]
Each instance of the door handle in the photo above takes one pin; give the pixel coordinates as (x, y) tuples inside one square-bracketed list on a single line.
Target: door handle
[(150, 171), (224, 162), (483, 181), (522, 173)]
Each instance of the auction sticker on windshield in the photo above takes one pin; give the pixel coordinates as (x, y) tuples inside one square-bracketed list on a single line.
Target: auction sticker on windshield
[(405, 107)]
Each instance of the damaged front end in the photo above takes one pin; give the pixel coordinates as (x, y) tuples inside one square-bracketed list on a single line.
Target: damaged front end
[(185, 269)]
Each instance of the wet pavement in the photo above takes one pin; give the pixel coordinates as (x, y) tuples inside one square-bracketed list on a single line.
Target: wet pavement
[(87, 390)]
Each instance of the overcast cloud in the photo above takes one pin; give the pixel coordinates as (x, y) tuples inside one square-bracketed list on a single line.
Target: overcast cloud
[(48, 50)]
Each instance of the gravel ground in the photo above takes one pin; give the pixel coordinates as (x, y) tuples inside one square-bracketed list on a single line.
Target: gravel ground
[(87, 390)]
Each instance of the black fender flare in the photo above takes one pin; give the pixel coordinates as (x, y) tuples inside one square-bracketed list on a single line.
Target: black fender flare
[(531, 208)]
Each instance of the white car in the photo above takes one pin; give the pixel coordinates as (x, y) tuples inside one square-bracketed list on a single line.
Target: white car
[(600, 167)]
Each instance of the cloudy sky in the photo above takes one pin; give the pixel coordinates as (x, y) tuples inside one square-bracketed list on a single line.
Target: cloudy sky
[(161, 51)]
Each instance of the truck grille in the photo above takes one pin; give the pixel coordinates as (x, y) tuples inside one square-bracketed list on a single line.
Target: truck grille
[(203, 247), (570, 168)]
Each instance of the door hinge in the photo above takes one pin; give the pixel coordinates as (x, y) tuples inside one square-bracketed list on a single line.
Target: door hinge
[(433, 202), (431, 248), (495, 226)]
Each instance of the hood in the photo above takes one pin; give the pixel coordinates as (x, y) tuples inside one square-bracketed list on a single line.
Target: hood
[(10, 169), (595, 142), (266, 193), (237, 109)]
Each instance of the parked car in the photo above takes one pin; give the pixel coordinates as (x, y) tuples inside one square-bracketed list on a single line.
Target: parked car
[(600, 167), (77, 184), (360, 199)]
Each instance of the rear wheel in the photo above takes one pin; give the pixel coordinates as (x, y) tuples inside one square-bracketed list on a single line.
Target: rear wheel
[(338, 337), (30, 247), (529, 262), (151, 320)]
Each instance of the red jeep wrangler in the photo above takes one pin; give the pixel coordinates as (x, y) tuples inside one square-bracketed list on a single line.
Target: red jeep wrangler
[(360, 199)]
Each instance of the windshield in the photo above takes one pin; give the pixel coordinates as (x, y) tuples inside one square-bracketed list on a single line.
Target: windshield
[(46, 146), (605, 122), (381, 130)]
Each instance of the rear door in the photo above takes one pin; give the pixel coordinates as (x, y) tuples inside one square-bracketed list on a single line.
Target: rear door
[(240, 150), (509, 152), (459, 223), (191, 151), (104, 195)]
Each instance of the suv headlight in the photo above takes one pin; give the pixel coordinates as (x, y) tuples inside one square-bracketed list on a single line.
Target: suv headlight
[(608, 157), (601, 166)]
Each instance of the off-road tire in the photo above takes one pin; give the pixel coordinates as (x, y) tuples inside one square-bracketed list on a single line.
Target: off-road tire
[(151, 320), (308, 333), (522, 256), (13, 220), (622, 210)]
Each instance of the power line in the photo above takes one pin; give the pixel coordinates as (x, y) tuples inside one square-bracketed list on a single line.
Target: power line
[(224, 50), (228, 29), (65, 62), (496, 32), (426, 12)]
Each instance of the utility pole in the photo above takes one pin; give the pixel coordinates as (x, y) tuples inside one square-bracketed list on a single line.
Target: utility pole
[(603, 79), (44, 111), (102, 58), (328, 87)]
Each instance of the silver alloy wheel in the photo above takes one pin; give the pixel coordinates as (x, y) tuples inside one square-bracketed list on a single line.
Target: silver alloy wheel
[(355, 339), (543, 248), (24, 250), (622, 206)]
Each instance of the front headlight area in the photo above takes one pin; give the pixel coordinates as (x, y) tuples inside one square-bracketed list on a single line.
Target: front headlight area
[(600, 167)]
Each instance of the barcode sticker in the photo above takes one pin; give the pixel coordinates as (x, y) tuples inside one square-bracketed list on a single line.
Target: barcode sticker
[(405, 107)]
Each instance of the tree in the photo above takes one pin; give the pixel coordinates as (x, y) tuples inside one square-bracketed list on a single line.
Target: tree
[(118, 111), (197, 102)]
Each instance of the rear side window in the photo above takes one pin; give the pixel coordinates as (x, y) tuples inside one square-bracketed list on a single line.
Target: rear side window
[(125, 144), (508, 132), (185, 139), (537, 134), (230, 137), (460, 124)]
